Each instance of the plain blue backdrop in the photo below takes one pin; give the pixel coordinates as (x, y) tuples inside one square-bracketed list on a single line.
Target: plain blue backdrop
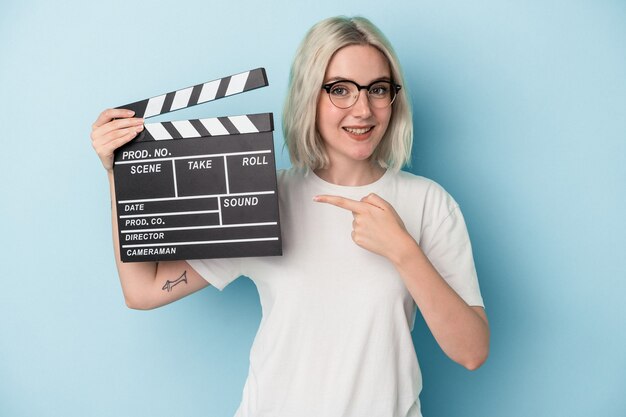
[(520, 113)]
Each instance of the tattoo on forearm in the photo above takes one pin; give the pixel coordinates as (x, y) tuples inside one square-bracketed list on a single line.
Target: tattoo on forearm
[(169, 284)]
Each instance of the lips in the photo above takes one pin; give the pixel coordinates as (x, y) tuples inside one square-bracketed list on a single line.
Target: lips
[(358, 130)]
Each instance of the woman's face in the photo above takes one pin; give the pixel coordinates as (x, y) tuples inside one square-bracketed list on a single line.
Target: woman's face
[(352, 134)]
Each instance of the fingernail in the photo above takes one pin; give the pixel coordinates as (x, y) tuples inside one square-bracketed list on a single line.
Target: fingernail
[(130, 112), (139, 128)]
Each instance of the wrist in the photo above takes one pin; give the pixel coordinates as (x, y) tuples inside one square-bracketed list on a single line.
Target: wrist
[(407, 251)]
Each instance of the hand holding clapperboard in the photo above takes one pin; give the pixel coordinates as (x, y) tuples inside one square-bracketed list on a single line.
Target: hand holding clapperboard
[(195, 189)]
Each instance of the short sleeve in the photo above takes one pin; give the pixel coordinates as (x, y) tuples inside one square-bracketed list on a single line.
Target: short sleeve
[(447, 245), (217, 272)]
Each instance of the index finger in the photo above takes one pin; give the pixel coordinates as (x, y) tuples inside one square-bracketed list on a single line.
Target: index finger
[(342, 202), (110, 114)]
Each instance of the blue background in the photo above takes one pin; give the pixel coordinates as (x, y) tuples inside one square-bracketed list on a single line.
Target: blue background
[(520, 113)]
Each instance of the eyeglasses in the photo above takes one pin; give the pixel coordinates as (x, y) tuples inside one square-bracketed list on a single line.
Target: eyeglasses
[(344, 93)]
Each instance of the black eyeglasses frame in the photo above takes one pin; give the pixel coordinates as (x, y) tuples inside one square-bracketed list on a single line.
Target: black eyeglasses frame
[(396, 87)]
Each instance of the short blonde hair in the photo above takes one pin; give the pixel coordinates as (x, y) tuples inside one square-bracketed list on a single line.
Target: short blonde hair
[(306, 147)]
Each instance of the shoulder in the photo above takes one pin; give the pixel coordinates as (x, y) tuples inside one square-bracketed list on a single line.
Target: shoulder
[(409, 179), (432, 191), (289, 177), (436, 203)]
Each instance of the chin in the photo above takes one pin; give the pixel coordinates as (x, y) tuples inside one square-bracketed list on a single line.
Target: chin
[(363, 156)]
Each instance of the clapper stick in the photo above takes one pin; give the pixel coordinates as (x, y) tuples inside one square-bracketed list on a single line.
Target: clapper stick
[(202, 188), (198, 94), (214, 126)]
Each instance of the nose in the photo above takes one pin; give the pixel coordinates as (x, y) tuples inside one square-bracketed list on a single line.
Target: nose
[(362, 106)]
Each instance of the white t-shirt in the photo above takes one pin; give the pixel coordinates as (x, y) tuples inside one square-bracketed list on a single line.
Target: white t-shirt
[(335, 335)]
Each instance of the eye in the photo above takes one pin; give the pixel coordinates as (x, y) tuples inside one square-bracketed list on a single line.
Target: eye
[(379, 90), (340, 90)]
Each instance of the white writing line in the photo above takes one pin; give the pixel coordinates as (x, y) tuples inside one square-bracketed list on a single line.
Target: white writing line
[(175, 158), (176, 213), (194, 196), (219, 206), (217, 226), (226, 175), (174, 175), (205, 242)]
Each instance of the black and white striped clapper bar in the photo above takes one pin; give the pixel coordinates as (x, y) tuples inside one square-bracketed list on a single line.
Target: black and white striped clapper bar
[(193, 189)]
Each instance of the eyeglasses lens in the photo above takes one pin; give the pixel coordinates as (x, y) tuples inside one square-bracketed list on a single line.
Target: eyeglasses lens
[(346, 94)]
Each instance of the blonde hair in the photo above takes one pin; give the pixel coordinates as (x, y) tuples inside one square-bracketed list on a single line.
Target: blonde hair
[(306, 147)]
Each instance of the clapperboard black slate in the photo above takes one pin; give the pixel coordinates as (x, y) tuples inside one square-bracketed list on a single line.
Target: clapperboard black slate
[(193, 189)]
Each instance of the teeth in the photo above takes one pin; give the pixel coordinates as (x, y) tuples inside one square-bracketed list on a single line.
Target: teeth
[(357, 131)]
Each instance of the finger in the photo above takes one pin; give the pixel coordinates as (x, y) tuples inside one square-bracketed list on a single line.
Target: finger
[(376, 200), (107, 149), (342, 202), (118, 124), (115, 144), (103, 139), (110, 114)]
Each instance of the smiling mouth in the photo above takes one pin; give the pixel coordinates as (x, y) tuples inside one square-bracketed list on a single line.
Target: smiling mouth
[(356, 131)]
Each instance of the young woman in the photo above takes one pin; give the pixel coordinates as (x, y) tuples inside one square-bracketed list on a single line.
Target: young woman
[(365, 245)]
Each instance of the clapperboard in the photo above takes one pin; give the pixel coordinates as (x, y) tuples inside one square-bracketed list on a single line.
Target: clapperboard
[(193, 189)]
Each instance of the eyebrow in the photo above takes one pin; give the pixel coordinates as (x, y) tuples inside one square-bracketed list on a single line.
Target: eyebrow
[(333, 79)]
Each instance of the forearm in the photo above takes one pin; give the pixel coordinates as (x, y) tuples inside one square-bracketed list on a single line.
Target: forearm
[(148, 285), (136, 277), (461, 331)]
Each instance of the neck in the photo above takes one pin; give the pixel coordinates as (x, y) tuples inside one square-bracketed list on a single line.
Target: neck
[(352, 175)]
